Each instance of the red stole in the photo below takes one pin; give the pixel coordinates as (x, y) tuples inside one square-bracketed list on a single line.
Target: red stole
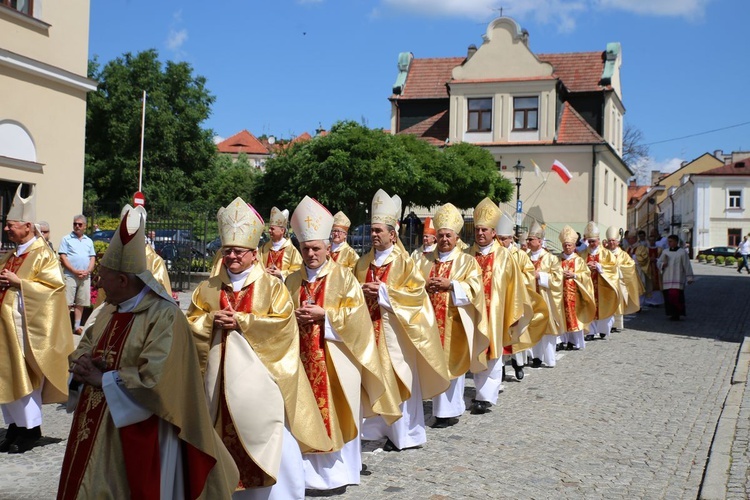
[(570, 292), (486, 262), (13, 265), (251, 476), (381, 273), (537, 264), (440, 299), (595, 281), (312, 350), (275, 258), (335, 256)]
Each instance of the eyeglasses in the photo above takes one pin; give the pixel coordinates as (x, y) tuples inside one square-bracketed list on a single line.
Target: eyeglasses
[(45, 232), (338, 231), (76, 224), (238, 252)]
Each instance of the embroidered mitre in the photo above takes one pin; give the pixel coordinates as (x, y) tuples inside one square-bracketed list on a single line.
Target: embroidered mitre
[(429, 227), (487, 214), (384, 209), (311, 221), (591, 230), (279, 218), (240, 225), (613, 233), (341, 220), (568, 235), (448, 217), (536, 231)]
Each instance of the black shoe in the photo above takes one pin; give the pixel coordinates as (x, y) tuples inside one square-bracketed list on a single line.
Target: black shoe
[(570, 346), (536, 363), (364, 471), (560, 347), (518, 368), (589, 337), (325, 493), (603, 336), (26, 440), (612, 330), (11, 434), (389, 446), (443, 422), (480, 407)]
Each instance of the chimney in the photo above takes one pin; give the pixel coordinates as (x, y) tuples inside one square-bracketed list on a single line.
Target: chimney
[(472, 50), (632, 183)]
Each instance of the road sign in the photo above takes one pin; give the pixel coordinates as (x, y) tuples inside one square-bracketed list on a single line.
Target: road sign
[(139, 199), (519, 206)]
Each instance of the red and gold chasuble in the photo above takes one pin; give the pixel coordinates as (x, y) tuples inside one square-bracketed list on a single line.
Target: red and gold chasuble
[(251, 476), (335, 256), (313, 353), (485, 262), (275, 258), (653, 255), (381, 273), (140, 441), (570, 292), (13, 265), (440, 299), (595, 281), (537, 264)]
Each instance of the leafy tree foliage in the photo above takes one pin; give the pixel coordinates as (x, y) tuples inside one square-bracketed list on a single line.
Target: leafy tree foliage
[(230, 179), (178, 153), (345, 168)]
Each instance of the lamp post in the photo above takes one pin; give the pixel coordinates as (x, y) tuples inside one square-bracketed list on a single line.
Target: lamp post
[(519, 207)]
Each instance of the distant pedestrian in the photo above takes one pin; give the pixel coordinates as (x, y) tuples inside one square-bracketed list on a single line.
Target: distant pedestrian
[(44, 229), (744, 250), (78, 258), (674, 264)]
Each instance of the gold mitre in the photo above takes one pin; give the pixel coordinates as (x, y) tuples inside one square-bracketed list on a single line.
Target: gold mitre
[(341, 220), (23, 209), (311, 221), (536, 231), (383, 209), (240, 225), (613, 233), (568, 235), (448, 217), (487, 214), (429, 227), (504, 226), (591, 230), (127, 248), (279, 218)]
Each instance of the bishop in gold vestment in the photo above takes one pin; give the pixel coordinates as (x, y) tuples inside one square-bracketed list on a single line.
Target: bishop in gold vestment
[(249, 348), (36, 335), (605, 279), (405, 330), (278, 255), (578, 291), (137, 431), (456, 289), (341, 252), (631, 286)]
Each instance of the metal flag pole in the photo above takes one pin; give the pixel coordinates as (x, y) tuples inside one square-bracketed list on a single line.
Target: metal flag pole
[(143, 130)]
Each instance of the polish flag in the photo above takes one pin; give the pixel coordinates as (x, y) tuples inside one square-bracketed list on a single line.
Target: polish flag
[(562, 171)]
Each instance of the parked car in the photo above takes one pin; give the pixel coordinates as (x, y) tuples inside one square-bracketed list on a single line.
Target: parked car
[(360, 238), (104, 235), (727, 251)]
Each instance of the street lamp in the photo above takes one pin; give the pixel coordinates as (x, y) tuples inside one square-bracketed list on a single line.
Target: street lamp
[(519, 208)]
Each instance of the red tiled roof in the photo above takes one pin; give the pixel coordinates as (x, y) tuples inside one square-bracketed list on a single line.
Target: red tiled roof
[(434, 129), (427, 78), (242, 142), (573, 129), (579, 71), (635, 193), (741, 167)]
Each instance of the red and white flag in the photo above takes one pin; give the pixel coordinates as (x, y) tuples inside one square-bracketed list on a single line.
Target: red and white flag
[(562, 171)]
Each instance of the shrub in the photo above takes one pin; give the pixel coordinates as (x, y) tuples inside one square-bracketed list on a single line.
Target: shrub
[(710, 258), (701, 258), (731, 261), (720, 260)]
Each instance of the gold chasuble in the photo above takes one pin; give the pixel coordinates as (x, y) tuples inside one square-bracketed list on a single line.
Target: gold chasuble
[(463, 330), (606, 284), (155, 358), (35, 344), (409, 332), (552, 294), (254, 375), (345, 256), (631, 287), (578, 294), (538, 326), (336, 370), (158, 268), (286, 259), (507, 301)]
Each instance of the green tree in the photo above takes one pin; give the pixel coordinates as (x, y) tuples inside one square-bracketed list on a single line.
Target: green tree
[(230, 179), (178, 153), (471, 174)]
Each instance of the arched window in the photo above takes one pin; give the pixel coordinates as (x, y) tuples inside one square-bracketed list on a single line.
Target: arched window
[(15, 142)]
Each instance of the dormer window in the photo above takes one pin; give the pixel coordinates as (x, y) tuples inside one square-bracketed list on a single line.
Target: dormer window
[(525, 113), (480, 115)]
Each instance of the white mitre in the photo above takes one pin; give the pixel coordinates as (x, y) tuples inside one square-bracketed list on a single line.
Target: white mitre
[(311, 221), (384, 209), (23, 209)]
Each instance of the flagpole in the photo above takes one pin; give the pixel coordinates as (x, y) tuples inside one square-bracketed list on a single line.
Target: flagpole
[(143, 130)]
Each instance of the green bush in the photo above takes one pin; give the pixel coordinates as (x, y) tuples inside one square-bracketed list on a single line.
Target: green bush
[(731, 261), (701, 258), (720, 260), (710, 259)]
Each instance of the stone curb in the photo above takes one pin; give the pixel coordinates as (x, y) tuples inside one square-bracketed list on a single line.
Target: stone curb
[(714, 486)]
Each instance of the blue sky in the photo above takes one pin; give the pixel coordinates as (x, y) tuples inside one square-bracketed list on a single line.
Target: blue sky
[(284, 67)]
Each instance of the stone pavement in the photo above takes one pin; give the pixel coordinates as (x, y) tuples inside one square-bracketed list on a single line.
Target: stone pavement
[(635, 416)]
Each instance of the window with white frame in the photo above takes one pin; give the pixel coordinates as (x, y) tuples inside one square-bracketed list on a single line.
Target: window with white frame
[(734, 198), (480, 115), (525, 113)]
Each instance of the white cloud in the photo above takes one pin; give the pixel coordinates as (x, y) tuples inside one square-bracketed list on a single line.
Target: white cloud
[(667, 166), (176, 39), (218, 139), (562, 13)]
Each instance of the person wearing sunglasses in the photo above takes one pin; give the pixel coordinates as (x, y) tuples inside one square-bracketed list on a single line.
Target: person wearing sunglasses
[(78, 258)]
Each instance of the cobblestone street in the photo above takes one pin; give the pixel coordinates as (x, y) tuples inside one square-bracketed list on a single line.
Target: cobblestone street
[(630, 417)]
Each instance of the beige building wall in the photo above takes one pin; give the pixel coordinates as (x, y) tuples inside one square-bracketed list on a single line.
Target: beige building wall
[(43, 66)]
